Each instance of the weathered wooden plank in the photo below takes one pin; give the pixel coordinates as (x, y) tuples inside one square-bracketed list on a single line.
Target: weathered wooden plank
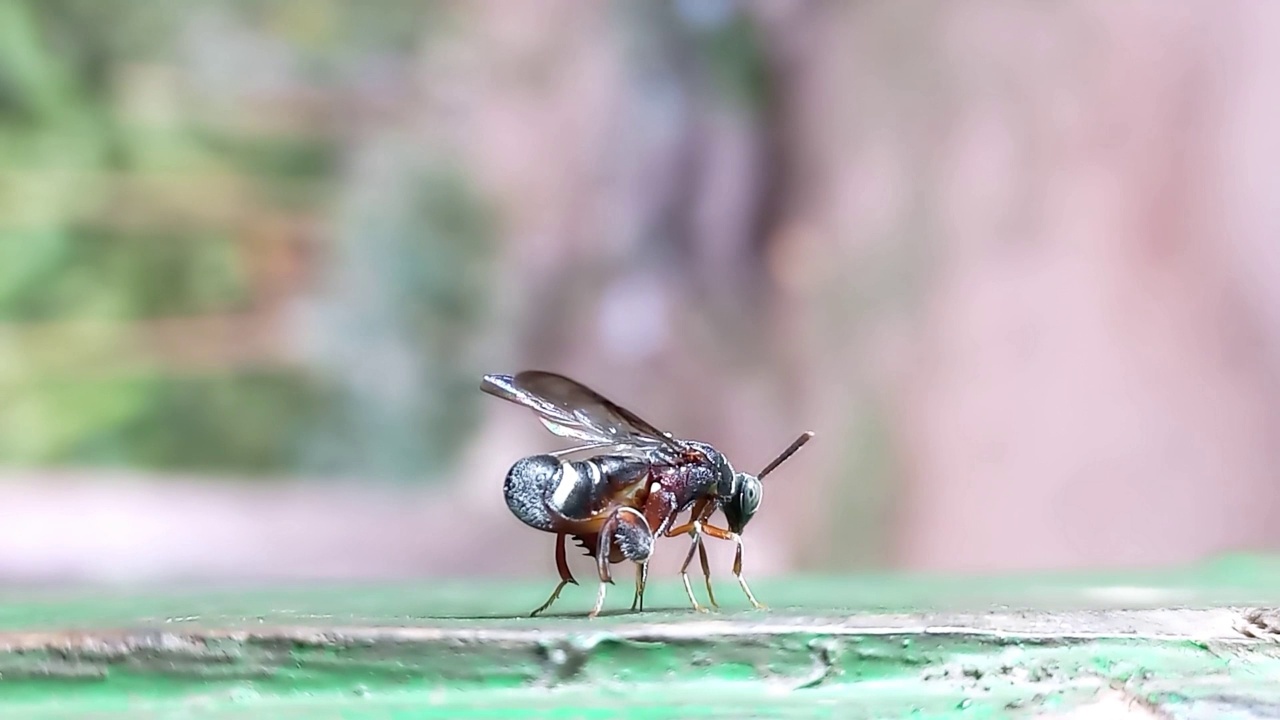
[(1179, 644)]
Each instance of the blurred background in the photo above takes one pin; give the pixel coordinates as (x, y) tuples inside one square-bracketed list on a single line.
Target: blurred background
[(1015, 264)]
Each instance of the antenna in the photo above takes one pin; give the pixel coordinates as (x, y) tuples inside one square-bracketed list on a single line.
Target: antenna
[(804, 438)]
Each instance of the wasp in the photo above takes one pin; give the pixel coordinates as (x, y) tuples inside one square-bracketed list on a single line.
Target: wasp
[(614, 503)]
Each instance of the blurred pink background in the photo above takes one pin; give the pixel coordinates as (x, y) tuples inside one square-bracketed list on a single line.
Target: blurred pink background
[(1014, 263)]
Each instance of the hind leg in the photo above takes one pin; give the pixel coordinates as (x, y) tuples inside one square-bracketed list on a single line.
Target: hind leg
[(642, 577), (627, 530), (566, 577)]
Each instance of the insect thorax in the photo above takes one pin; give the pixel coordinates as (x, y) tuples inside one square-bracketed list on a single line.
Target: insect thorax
[(716, 474)]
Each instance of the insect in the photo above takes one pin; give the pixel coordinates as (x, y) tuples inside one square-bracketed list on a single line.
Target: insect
[(615, 503)]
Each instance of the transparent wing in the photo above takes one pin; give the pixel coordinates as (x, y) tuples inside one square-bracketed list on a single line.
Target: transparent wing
[(570, 409), (589, 447)]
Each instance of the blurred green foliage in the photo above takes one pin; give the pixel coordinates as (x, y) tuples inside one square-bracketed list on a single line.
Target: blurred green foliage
[(405, 294), (737, 62), (154, 160), (122, 200), (246, 422), (133, 275)]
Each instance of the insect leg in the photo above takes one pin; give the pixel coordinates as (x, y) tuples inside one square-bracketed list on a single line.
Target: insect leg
[(737, 571), (635, 540), (706, 573), (554, 595), (566, 577), (683, 529), (602, 562), (628, 528), (684, 569), (723, 534), (702, 510), (703, 516), (642, 577)]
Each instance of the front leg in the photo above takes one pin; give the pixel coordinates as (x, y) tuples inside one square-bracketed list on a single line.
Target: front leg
[(706, 571), (724, 534), (702, 510)]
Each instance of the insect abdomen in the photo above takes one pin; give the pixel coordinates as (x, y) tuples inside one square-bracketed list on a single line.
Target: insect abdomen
[(542, 491), (526, 489)]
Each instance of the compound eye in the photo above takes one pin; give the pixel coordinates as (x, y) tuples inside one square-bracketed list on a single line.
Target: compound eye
[(750, 497)]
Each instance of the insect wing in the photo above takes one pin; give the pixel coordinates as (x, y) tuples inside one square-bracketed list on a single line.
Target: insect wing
[(570, 409)]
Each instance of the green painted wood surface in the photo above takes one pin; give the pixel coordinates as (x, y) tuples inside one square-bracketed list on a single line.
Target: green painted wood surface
[(1184, 642)]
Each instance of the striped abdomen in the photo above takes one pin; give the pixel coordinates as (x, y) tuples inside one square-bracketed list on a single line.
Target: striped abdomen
[(555, 495)]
